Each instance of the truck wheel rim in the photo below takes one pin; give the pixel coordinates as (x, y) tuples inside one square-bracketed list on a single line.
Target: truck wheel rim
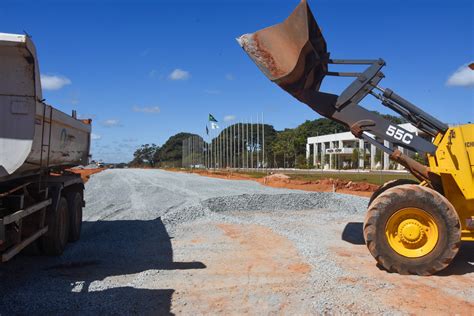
[(412, 232)]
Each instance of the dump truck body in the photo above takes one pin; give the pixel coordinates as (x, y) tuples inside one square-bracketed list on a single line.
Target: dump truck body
[(33, 135), (36, 139)]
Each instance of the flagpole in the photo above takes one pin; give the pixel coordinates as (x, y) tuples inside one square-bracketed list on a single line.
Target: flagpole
[(226, 152), (232, 146), (221, 160), (227, 139), (242, 143), (258, 142), (263, 143), (214, 153), (238, 145), (219, 150), (246, 143), (251, 141)]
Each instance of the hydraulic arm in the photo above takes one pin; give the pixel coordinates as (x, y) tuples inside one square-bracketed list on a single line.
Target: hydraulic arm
[(294, 55)]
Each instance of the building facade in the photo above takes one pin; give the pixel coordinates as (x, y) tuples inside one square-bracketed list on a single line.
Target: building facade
[(345, 151)]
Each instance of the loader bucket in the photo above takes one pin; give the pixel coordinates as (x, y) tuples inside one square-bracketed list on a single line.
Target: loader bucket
[(292, 54)]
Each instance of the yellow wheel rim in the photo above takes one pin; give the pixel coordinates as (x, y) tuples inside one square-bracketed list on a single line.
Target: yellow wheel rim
[(412, 232)]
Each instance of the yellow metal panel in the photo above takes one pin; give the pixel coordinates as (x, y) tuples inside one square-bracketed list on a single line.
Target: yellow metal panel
[(454, 157), (454, 162)]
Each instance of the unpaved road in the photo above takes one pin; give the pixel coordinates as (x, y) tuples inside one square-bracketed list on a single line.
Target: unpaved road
[(157, 242)]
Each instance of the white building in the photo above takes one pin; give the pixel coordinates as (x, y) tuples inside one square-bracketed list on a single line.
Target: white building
[(336, 151)]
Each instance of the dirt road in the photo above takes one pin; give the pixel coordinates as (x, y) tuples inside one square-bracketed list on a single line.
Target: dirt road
[(157, 242)]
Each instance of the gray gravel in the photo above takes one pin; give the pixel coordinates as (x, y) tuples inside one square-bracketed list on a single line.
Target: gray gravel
[(124, 262)]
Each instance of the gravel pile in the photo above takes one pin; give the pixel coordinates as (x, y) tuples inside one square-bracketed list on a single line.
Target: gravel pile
[(287, 202), (330, 204)]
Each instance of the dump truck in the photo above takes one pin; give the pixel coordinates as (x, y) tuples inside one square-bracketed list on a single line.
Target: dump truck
[(40, 200), (411, 227)]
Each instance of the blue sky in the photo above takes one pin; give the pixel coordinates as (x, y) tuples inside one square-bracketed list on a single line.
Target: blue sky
[(145, 70)]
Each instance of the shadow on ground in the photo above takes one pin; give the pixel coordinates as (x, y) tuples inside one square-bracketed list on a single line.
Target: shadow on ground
[(353, 233), (462, 264), (117, 253)]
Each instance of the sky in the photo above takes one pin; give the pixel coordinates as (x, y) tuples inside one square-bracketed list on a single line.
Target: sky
[(146, 70)]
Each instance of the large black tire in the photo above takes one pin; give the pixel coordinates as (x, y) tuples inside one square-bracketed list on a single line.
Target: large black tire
[(427, 200), (55, 240), (74, 200), (388, 185)]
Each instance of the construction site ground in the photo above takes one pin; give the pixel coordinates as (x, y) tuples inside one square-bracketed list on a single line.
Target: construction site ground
[(160, 242), (355, 183)]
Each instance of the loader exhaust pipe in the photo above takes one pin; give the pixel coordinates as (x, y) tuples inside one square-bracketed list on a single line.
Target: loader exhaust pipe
[(292, 54)]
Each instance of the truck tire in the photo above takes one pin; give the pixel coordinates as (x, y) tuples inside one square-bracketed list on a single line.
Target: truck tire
[(74, 200), (390, 184), (410, 229), (55, 240)]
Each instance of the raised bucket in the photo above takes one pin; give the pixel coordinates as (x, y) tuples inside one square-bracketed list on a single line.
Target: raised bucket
[(292, 54)]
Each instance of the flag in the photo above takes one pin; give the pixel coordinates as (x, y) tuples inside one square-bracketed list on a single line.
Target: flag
[(214, 125), (212, 119), (207, 130)]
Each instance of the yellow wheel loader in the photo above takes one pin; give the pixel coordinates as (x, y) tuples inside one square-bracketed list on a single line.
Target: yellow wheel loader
[(411, 227)]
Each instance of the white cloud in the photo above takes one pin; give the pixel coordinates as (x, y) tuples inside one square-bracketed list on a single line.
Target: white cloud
[(51, 82), (228, 118), (229, 76), (212, 91), (463, 77), (95, 136), (179, 74), (111, 123), (147, 109)]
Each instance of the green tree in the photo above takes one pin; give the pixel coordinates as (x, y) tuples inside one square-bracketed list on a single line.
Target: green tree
[(170, 154), (146, 155)]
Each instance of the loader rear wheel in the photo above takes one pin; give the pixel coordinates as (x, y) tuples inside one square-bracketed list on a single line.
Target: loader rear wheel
[(410, 229), (74, 200), (55, 240), (388, 185)]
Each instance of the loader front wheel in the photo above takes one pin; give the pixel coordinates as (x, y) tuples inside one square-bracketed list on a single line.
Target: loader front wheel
[(388, 185), (410, 229)]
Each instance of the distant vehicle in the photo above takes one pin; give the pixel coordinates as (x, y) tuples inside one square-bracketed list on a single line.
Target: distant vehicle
[(39, 200)]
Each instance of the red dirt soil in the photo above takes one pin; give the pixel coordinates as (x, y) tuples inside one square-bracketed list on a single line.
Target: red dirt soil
[(282, 181)]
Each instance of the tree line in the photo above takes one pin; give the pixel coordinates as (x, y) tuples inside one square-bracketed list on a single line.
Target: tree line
[(286, 148)]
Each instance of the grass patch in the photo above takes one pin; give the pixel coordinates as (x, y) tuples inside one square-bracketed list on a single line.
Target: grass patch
[(374, 178)]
